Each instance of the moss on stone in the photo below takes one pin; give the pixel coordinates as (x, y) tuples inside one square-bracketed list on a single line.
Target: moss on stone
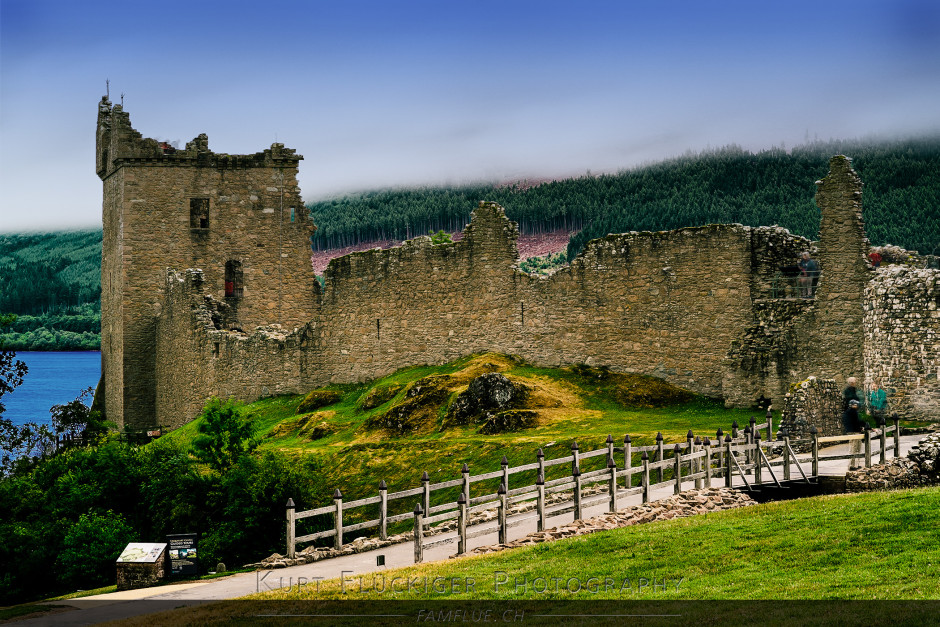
[(317, 399), (378, 395)]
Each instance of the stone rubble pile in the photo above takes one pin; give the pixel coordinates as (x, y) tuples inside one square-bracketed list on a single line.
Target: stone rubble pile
[(920, 467), (685, 504)]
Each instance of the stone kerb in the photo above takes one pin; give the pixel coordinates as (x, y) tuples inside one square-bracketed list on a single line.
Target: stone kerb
[(813, 403)]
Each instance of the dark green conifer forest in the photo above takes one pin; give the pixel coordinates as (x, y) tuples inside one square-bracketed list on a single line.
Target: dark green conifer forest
[(51, 281), (727, 185)]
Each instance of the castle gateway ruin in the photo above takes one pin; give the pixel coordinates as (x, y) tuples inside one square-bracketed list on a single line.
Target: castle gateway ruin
[(208, 290)]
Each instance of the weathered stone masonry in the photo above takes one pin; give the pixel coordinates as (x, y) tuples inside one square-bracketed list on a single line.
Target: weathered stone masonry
[(693, 306), (239, 218), (902, 339)]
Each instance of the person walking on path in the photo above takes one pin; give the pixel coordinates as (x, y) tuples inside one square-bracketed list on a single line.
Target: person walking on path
[(877, 402), (852, 424)]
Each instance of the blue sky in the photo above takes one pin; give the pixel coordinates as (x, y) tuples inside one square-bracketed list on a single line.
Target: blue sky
[(389, 93)]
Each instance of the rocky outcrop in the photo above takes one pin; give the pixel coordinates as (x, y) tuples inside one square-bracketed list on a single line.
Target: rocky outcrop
[(486, 396), (681, 505), (920, 467)]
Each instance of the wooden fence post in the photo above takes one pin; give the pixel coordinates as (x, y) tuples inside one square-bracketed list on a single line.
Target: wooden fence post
[(504, 464), (696, 465), (677, 468), (729, 480), (610, 449), (660, 456), (540, 501), (708, 462), (628, 460), (867, 430), (338, 519), (577, 493), (770, 425), (291, 545), (747, 448), (612, 466), (719, 438), (645, 477), (814, 432), (461, 524), (883, 440), (465, 471), (540, 458), (897, 434), (757, 457), (688, 440), (383, 510), (575, 459), (418, 534), (786, 454), (503, 506), (426, 496)]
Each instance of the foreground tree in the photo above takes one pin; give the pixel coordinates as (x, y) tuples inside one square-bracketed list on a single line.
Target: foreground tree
[(225, 436)]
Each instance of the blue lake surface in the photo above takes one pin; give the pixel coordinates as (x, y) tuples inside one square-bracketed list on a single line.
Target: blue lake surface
[(53, 378)]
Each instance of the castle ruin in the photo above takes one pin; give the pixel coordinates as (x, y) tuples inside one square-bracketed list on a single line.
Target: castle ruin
[(208, 290)]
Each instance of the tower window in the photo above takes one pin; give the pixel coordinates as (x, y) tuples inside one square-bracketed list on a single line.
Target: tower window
[(199, 213), (234, 279)]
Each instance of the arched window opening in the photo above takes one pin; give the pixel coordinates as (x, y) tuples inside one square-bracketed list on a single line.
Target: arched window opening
[(234, 279)]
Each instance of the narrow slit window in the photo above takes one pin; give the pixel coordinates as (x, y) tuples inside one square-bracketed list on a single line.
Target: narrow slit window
[(291, 214), (234, 286), (199, 213)]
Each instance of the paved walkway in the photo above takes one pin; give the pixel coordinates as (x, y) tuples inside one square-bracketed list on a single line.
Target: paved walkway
[(117, 605)]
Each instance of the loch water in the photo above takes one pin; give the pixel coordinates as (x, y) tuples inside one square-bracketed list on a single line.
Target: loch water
[(54, 378)]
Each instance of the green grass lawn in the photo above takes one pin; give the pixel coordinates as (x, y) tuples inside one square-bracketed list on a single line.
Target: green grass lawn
[(881, 545)]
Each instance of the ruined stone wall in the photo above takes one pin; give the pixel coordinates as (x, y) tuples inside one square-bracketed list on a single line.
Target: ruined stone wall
[(640, 302), (830, 334), (902, 340), (198, 357), (813, 403), (256, 221)]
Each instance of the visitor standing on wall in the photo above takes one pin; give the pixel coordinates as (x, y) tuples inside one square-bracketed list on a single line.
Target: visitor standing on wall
[(809, 275), (875, 257)]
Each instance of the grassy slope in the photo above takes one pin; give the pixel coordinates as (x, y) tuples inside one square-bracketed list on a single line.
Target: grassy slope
[(882, 545), (356, 457)]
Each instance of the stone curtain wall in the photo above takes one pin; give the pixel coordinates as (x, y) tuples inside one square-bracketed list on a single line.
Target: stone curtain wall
[(640, 302), (147, 228), (199, 358), (902, 340), (813, 403)]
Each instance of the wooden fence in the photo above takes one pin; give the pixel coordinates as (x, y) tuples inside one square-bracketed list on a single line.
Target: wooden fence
[(699, 462)]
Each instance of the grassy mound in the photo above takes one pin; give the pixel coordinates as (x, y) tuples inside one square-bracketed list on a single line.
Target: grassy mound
[(317, 399), (633, 390)]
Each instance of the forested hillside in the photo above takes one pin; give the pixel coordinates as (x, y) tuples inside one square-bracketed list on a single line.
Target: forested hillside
[(902, 197), (46, 278), (52, 282)]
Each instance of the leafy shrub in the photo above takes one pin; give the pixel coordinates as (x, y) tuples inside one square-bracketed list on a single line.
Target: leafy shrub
[(90, 548), (225, 436), (317, 399)]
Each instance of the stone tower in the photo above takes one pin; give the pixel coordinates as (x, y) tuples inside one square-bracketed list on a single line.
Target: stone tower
[(835, 333), (239, 218)]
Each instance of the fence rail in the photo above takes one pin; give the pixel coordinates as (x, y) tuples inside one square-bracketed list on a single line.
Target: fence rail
[(696, 461)]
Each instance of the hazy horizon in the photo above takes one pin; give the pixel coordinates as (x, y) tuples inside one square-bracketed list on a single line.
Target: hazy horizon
[(389, 95)]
